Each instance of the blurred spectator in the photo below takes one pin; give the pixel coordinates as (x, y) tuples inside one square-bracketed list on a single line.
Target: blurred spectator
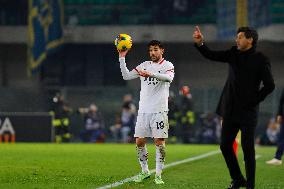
[(123, 129), (115, 129), (173, 116), (187, 116), (61, 121), (277, 160), (128, 99), (210, 125), (94, 125), (128, 118), (271, 134)]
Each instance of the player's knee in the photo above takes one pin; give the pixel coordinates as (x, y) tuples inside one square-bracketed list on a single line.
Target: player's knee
[(159, 141), (140, 142)]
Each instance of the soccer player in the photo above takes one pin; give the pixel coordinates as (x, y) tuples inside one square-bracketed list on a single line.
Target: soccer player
[(249, 82), (152, 120)]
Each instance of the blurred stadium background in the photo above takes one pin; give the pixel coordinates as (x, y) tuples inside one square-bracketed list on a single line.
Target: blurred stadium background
[(67, 46)]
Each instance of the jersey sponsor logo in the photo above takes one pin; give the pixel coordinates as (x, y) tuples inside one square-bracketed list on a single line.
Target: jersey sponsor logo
[(151, 80)]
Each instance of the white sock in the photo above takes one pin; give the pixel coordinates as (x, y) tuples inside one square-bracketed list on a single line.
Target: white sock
[(142, 155), (160, 158)]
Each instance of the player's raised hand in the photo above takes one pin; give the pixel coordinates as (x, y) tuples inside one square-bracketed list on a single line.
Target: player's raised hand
[(197, 36), (122, 53)]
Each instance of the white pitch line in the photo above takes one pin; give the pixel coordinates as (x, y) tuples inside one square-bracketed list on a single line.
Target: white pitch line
[(257, 156), (118, 183)]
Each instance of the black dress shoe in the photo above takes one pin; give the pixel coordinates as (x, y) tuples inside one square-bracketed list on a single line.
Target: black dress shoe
[(236, 184)]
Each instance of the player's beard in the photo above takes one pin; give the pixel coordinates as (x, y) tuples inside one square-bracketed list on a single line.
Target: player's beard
[(155, 58)]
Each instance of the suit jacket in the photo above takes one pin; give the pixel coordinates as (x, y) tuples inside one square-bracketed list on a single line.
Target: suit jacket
[(249, 82)]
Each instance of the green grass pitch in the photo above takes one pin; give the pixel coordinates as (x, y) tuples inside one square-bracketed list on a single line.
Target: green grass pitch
[(89, 166)]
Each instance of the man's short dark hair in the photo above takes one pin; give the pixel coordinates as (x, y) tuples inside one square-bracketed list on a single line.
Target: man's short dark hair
[(156, 43), (249, 33)]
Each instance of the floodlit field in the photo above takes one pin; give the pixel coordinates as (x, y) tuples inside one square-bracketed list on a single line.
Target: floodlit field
[(95, 165)]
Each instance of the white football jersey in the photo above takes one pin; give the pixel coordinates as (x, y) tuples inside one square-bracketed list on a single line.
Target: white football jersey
[(154, 90)]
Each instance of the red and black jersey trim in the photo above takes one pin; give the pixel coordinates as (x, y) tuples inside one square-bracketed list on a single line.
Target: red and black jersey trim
[(162, 61)]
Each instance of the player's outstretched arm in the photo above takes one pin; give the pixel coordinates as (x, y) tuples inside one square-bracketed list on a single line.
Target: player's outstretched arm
[(126, 74), (198, 39), (166, 77)]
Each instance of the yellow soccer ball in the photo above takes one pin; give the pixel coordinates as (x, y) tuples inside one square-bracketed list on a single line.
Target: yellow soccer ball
[(123, 42)]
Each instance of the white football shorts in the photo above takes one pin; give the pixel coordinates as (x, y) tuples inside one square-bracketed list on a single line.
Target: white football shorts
[(153, 125)]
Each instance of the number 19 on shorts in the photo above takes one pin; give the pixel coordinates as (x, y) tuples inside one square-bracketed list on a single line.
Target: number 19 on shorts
[(160, 125)]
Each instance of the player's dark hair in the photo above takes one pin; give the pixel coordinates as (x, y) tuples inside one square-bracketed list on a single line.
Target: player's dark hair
[(249, 33), (156, 43)]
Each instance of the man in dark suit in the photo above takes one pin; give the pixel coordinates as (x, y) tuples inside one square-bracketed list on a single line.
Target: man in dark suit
[(249, 82)]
